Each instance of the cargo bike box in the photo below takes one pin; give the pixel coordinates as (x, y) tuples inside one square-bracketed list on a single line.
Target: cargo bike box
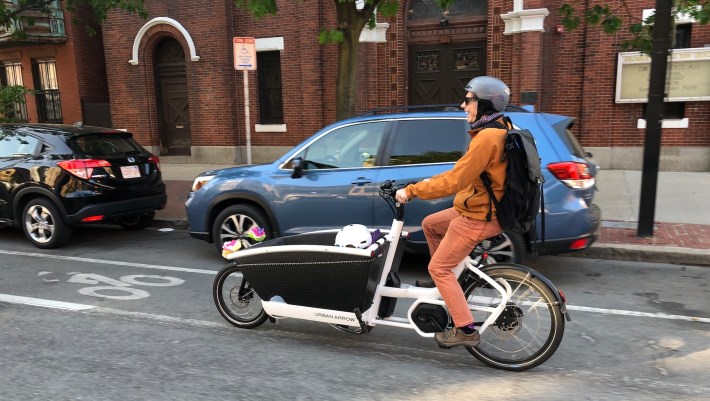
[(308, 270)]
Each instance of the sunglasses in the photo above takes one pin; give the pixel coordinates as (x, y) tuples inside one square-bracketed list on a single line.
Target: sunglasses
[(468, 100)]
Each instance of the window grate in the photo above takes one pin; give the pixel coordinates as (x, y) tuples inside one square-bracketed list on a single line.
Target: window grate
[(47, 96)]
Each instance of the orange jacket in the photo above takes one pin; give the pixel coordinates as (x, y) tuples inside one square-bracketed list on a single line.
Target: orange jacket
[(484, 153)]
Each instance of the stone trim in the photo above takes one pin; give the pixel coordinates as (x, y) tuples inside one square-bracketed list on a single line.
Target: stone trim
[(524, 21), (158, 21)]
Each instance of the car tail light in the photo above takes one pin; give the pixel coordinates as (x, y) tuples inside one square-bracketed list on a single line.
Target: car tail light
[(155, 160), (573, 174), (579, 244), (83, 168), (92, 218)]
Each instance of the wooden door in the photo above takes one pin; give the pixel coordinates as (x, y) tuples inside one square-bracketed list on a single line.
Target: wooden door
[(173, 101), (438, 73)]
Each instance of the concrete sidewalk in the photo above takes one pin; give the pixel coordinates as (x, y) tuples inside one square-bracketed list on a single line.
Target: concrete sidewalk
[(681, 229)]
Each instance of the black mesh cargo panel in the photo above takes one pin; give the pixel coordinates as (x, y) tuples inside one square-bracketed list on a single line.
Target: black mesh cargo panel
[(327, 280)]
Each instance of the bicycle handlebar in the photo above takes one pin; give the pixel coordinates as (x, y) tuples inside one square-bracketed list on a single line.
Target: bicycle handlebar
[(388, 190)]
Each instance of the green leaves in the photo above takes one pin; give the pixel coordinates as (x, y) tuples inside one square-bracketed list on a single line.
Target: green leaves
[(611, 21), (569, 19), (388, 8), (258, 8), (330, 36), (604, 17), (10, 97)]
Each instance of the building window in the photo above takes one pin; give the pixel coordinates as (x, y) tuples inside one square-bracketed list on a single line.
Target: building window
[(270, 91), (682, 36), (49, 107), (427, 9), (11, 75)]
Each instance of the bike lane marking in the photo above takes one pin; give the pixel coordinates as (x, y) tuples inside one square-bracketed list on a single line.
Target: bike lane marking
[(45, 303), (74, 307), (109, 262), (202, 271), (80, 307), (657, 315)]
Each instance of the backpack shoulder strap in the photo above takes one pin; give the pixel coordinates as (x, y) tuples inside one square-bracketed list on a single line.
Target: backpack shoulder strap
[(492, 200)]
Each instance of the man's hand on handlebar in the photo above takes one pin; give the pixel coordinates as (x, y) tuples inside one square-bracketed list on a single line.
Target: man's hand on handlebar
[(401, 196)]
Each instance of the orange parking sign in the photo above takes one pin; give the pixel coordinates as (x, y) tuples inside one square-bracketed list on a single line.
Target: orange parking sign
[(244, 53)]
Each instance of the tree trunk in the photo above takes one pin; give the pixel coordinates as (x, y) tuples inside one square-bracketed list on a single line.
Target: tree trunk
[(346, 85), (351, 21)]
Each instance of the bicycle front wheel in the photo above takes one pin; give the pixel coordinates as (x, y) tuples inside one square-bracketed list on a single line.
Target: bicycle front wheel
[(236, 300), (529, 329)]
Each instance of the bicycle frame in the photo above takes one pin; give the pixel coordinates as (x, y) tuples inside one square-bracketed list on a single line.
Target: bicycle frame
[(277, 308), (306, 277)]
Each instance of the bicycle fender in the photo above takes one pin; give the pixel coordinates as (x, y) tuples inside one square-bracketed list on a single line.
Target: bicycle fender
[(539, 276)]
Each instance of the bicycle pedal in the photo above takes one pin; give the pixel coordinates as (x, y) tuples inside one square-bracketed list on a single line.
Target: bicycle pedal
[(443, 346), (425, 283)]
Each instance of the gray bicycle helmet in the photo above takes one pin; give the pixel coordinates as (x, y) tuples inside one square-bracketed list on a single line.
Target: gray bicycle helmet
[(492, 89)]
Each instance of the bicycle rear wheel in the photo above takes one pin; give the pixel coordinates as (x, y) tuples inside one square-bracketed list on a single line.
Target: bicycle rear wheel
[(236, 301), (529, 329)]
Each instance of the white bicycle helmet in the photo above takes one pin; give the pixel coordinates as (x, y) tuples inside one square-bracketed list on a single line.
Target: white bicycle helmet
[(354, 236)]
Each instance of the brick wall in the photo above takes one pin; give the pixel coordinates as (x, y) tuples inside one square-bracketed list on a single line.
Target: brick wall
[(88, 55), (211, 90), (572, 73), (79, 67), (581, 66)]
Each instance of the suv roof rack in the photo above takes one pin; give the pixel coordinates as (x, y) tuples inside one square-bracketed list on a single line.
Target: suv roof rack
[(520, 109), (431, 107), (407, 109)]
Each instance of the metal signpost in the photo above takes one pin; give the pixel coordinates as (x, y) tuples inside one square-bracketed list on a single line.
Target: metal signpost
[(245, 60)]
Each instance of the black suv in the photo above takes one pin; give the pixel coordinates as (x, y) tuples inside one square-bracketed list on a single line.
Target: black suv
[(53, 177)]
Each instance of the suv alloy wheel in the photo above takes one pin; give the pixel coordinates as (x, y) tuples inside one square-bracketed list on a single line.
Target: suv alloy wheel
[(43, 224)]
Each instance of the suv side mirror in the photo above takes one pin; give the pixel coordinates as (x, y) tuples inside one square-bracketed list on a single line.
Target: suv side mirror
[(297, 167)]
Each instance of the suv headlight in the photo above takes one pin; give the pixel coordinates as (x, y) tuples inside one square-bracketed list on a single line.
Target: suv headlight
[(201, 181)]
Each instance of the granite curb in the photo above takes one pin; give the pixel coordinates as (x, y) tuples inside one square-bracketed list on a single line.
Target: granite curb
[(646, 253)]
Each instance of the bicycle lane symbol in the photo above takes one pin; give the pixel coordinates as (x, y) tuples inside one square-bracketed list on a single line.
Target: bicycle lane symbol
[(123, 288)]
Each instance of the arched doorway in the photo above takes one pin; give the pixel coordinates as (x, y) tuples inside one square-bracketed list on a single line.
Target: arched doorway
[(172, 100), (446, 49)]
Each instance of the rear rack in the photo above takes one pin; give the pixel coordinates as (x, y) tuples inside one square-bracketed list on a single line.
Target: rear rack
[(430, 107)]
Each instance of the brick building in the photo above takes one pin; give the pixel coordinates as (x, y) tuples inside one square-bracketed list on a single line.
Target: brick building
[(172, 82), (61, 64)]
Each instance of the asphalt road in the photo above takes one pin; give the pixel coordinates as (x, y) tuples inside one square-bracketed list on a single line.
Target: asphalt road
[(120, 315)]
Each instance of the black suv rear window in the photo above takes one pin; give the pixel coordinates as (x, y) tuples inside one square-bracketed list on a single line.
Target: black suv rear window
[(105, 145)]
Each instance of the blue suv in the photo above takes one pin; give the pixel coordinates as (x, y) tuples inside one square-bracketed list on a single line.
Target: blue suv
[(332, 178)]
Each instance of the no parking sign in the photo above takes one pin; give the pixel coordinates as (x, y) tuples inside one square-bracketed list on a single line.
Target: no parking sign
[(244, 53)]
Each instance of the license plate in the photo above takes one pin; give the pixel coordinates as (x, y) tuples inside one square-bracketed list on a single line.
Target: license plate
[(130, 172)]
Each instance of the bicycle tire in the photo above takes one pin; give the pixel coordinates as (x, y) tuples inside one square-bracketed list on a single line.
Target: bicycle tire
[(529, 330), (236, 301)]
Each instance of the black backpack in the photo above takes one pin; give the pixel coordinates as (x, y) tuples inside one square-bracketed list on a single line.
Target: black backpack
[(522, 192)]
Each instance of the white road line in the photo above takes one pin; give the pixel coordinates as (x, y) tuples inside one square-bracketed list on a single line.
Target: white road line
[(637, 313), (46, 303), (108, 262)]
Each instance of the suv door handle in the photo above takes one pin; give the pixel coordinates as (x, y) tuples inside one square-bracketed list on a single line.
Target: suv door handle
[(361, 181)]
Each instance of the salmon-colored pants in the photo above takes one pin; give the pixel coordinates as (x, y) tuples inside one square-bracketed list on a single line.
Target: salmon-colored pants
[(451, 237)]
